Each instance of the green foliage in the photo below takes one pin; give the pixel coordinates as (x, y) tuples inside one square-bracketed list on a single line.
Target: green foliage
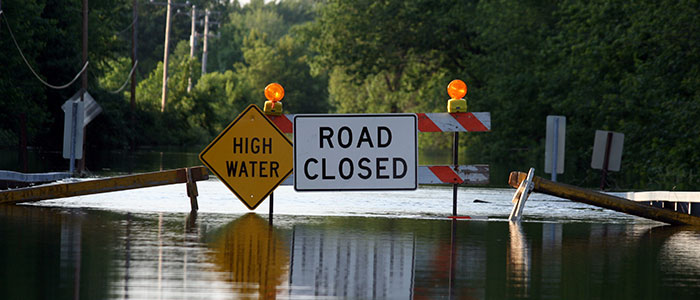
[(19, 92), (283, 62), (194, 118), (623, 66), (632, 68), (627, 66)]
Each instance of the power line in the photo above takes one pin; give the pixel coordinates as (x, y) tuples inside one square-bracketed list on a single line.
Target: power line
[(58, 87), (127, 27), (127, 79)]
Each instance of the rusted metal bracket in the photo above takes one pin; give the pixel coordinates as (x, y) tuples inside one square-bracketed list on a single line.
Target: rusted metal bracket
[(521, 195)]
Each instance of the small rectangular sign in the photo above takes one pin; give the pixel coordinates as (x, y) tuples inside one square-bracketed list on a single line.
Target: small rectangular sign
[(555, 144), (68, 125), (600, 144), (355, 152)]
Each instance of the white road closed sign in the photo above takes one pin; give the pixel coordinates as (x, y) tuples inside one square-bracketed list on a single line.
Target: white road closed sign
[(355, 152)]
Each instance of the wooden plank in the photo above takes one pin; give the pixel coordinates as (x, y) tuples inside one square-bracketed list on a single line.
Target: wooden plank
[(103, 185), (604, 200)]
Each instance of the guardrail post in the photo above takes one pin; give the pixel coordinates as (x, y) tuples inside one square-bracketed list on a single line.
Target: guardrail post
[(192, 190)]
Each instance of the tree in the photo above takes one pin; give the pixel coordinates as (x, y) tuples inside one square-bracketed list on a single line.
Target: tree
[(391, 39), (632, 67)]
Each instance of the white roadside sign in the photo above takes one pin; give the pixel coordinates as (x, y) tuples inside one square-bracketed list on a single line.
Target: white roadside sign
[(355, 152)]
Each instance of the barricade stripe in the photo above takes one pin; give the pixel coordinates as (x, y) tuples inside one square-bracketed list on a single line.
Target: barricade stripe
[(484, 118), (426, 176), (469, 122), (446, 122), (425, 124), (446, 174), (283, 122)]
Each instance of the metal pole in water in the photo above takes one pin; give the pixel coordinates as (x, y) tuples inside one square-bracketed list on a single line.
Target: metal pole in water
[(555, 147), (272, 201), (453, 259), (455, 162)]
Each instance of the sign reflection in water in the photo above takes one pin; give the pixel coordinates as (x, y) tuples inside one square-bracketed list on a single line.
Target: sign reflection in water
[(352, 263), (252, 257), (519, 260)]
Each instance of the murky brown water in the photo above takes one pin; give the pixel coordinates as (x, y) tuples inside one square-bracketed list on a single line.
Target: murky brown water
[(59, 253)]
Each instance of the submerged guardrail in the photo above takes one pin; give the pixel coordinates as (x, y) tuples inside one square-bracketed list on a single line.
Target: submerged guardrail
[(574, 193), (112, 184)]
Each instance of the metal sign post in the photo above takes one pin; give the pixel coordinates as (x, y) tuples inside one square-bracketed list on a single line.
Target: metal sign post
[(77, 115), (73, 126), (554, 148)]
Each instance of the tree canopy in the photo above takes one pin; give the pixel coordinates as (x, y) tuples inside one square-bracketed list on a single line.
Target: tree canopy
[(626, 66)]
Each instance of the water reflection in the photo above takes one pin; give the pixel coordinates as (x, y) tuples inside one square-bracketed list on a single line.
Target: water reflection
[(253, 258), (551, 260), (83, 254), (352, 263), (518, 267), (49, 254), (70, 257)]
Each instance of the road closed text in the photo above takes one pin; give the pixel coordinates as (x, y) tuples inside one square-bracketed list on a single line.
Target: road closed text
[(355, 152), (365, 168)]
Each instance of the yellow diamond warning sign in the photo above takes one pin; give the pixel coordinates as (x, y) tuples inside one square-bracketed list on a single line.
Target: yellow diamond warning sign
[(251, 156)]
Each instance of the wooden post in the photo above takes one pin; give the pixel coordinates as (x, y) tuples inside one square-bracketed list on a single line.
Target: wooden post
[(191, 221), (23, 157), (134, 57), (81, 162), (623, 205), (206, 40), (555, 154), (192, 191), (606, 161), (164, 93), (193, 43)]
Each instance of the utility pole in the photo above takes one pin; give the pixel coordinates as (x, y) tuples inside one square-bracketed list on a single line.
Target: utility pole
[(81, 162), (193, 43), (206, 38), (134, 31), (165, 58)]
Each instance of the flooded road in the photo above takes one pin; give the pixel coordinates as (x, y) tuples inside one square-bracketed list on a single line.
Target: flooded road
[(143, 244)]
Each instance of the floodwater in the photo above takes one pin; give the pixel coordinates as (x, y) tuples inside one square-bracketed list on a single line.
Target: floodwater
[(143, 244)]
